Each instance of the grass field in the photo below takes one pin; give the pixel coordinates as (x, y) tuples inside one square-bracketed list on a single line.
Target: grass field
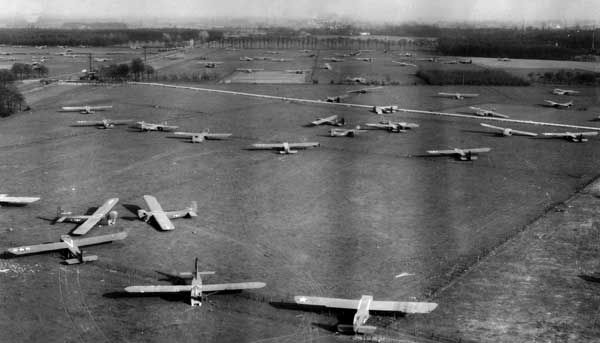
[(339, 220)]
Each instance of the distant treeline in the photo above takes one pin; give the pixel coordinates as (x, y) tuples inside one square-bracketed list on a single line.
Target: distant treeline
[(524, 42), (135, 70), (406, 30), (567, 77), (24, 71), (11, 99), (110, 37), (487, 77), (314, 43), (517, 43)]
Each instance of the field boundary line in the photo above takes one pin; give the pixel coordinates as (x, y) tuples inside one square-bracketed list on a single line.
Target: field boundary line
[(446, 114)]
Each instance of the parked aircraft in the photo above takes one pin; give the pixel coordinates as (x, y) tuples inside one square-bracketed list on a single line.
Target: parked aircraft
[(458, 96), (337, 98), (365, 59), (504, 131), (331, 120), (89, 221), (551, 103), (248, 70), (143, 126), (85, 109), (104, 123), (572, 136), (364, 90), (487, 113), (345, 132), (385, 109), (196, 287), (333, 59), (246, 58), (363, 306), (67, 242), (98, 59), (352, 53), (461, 154), (16, 201), (404, 64), (210, 64), (285, 148), (559, 91), (361, 80), (393, 126), (199, 137), (297, 71), (162, 217)]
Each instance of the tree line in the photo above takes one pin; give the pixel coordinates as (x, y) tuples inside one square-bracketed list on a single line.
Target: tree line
[(485, 77), (24, 71), (11, 100), (135, 70), (518, 43), (330, 43), (99, 37), (566, 77)]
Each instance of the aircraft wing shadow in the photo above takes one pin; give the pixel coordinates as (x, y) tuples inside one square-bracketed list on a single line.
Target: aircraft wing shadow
[(183, 297), (133, 209)]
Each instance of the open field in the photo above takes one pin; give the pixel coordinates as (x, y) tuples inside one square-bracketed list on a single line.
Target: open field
[(382, 69), (265, 77), (338, 220), (66, 66), (542, 286), (535, 64)]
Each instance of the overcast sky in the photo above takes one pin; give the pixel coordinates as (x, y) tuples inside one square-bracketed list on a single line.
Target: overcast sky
[(372, 10)]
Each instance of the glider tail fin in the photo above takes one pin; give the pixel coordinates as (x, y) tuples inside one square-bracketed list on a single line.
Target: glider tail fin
[(193, 209)]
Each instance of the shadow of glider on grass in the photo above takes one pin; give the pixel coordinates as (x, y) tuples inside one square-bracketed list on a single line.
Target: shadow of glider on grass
[(196, 288)]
